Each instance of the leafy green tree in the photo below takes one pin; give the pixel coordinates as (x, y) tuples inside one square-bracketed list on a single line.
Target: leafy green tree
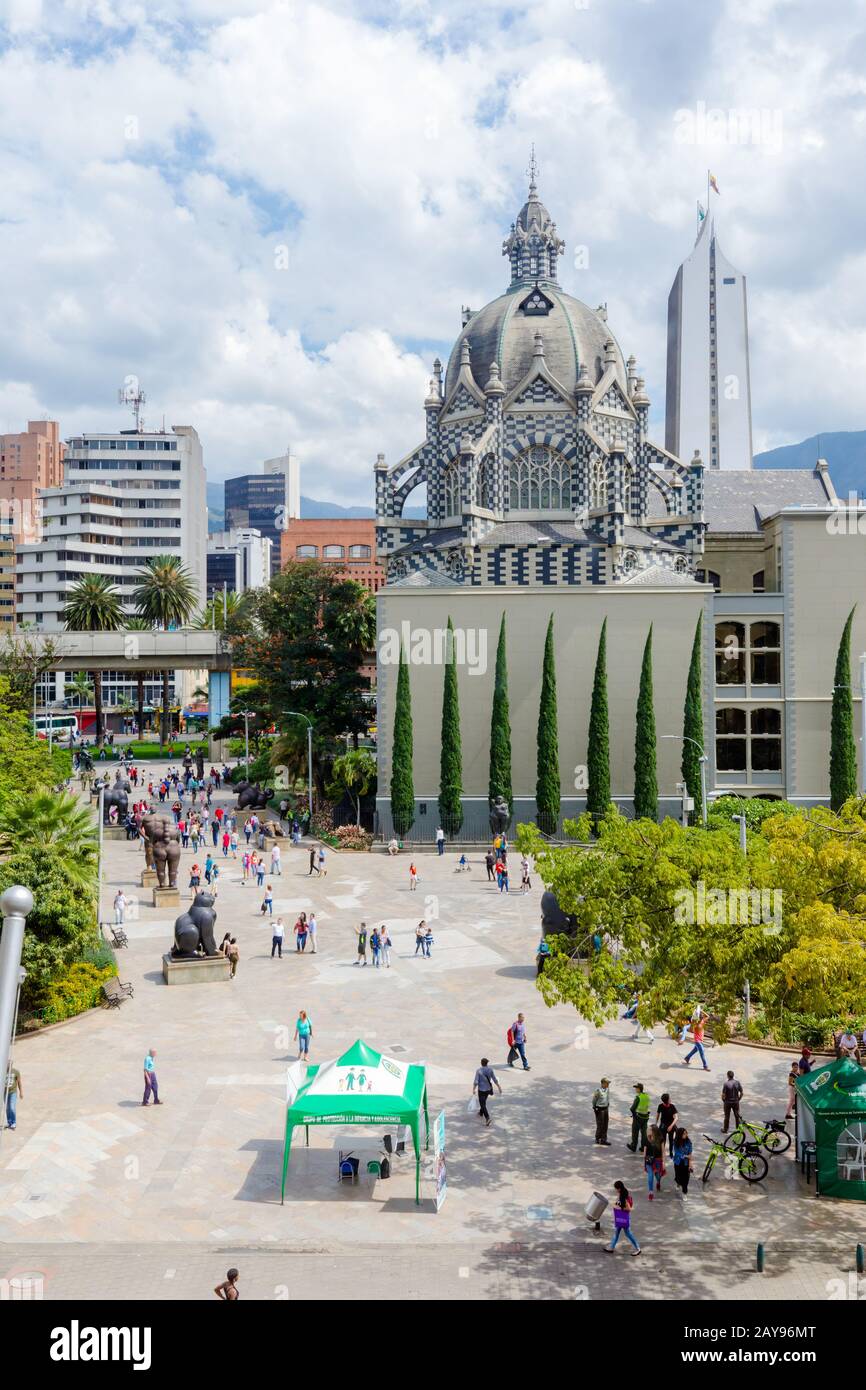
[(355, 771), (598, 742), (56, 824), (547, 786), (693, 725), (94, 606), (646, 791), (451, 753), (62, 925), (843, 751), (165, 597), (500, 728), (27, 765), (25, 657), (402, 785)]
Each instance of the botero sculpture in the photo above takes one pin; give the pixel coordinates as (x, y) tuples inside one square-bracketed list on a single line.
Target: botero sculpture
[(194, 930), (114, 796), (253, 797), (553, 919), (500, 816), (161, 847)]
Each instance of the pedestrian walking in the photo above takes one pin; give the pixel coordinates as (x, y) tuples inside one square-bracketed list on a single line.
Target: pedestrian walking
[(698, 1037), (482, 1086), (151, 1085), (793, 1078), (440, 841), (666, 1119), (525, 884), (374, 947), (233, 844), (228, 1290), (208, 868), (260, 871), (420, 937), (194, 880), (601, 1111), (300, 930), (313, 932), (234, 955), (413, 878), (245, 867), (278, 932), (226, 842), (654, 1160), (490, 860), (268, 901), (732, 1094), (428, 941), (320, 862), (361, 933), (276, 864), (804, 1061), (303, 1034), (682, 1156), (312, 860), (517, 1042), (214, 879), (385, 946), (622, 1209), (215, 831), (639, 1111), (542, 956), (248, 830), (119, 907), (13, 1092)]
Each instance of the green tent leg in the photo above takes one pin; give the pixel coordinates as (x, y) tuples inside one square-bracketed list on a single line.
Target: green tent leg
[(287, 1147)]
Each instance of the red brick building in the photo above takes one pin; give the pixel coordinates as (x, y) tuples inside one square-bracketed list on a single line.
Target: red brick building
[(350, 543)]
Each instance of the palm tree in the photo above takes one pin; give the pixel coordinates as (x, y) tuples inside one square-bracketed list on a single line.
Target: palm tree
[(79, 688), (222, 612), (356, 771), (56, 824), (167, 598), (138, 625), (94, 606)]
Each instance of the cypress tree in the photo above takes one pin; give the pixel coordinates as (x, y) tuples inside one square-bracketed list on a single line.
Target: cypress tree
[(646, 791), (843, 751), (547, 784), (500, 729), (402, 787), (451, 757), (693, 724), (598, 749)]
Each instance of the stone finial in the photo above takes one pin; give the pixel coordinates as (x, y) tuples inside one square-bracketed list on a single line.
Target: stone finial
[(494, 386), (640, 396), (434, 394), (583, 382), (467, 444), (464, 353), (609, 352), (602, 312), (538, 350), (697, 461), (631, 373), (381, 466)]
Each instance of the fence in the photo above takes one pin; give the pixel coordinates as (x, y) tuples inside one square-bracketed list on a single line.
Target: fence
[(472, 827)]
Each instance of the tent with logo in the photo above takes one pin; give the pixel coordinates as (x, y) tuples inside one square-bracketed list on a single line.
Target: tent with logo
[(831, 1112), (362, 1087)]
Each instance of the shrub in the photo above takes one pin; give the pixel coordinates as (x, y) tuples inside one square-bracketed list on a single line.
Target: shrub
[(756, 809), (79, 988), (350, 837)]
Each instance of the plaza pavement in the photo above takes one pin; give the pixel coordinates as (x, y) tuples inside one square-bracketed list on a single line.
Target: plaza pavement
[(102, 1200)]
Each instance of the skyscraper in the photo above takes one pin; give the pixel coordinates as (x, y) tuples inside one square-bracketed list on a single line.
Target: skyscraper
[(265, 501), (708, 404)]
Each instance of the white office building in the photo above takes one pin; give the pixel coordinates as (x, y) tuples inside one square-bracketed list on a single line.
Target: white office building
[(126, 498), (237, 560), (708, 405), (290, 468)]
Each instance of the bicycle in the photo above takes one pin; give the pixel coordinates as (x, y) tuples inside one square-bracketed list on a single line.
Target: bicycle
[(750, 1164), (772, 1134)]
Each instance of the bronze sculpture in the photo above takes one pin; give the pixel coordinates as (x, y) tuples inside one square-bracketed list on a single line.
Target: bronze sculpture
[(194, 929), (500, 816), (161, 847)]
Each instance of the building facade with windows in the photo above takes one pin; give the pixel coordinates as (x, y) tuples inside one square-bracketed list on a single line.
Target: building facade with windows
[(237, 561), (266, 502), (546, 498), (347, 542), (29, 462)]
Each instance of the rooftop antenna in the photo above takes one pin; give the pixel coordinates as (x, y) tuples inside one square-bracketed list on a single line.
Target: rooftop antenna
[(532, 172), (132, 395)]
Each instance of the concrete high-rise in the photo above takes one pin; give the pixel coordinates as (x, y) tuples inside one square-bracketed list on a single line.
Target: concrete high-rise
[(265, 502), (237, 561), (708, 405), (29, 461)]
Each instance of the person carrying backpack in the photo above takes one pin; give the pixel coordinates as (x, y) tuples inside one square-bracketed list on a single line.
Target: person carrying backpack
[(516, 1036)]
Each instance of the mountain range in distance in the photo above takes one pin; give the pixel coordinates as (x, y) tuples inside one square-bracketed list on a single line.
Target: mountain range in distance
[(844, 450)]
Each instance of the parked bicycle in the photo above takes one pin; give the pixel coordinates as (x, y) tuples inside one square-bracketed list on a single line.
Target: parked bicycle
[(772, 1134), (748, 1163)]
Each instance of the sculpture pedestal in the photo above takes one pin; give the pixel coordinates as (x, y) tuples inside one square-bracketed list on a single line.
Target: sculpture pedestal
[(203, 970), (114, 832), (166, 897), (149, 878)]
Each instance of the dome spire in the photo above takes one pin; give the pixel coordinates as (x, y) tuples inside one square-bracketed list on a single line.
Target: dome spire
[(532, 172), (533, 246)]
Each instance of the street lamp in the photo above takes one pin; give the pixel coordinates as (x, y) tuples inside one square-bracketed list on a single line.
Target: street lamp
[(247, 715), (703, 760), (297, 715), (15, 903)]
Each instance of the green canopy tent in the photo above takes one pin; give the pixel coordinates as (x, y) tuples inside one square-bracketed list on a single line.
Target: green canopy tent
[(360, 1088), (831, 1112)]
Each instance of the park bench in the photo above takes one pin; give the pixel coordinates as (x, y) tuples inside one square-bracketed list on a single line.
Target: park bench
[(116, 991), (118, 935)]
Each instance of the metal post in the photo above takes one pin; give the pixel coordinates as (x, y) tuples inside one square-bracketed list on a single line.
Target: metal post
[(863, 723), (100, 813), (747, 1004), (247, 741), (15, 904), (310, 770), (742, 820), (704, 761)]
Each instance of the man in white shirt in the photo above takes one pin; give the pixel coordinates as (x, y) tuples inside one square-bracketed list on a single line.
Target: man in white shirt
[(275, 861), (279, 932), (312, 932)]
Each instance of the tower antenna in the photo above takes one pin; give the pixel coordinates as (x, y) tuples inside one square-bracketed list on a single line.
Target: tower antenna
[(532, 172), (132, 395)]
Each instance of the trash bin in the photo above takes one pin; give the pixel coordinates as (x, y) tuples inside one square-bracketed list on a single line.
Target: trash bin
[(595, 1208)]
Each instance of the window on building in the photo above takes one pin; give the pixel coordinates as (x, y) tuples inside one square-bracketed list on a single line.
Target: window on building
[(484, 483), (333, 552), (307, 552), (730, 653), (359, 552), (451, 490), (627, 484), (758, 582), (709, 577), (539, 480), (598, 483), (749, 741), (765, 653)]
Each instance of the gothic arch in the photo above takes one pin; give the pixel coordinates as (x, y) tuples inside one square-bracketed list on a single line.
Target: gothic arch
[(539, 479)]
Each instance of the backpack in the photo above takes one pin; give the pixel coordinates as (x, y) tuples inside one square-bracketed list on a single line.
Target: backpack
[(509, 1037)]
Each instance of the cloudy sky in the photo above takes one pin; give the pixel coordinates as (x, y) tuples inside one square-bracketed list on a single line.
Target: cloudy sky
[(272, 213)]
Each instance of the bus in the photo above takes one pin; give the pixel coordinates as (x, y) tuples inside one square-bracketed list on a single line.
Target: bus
[(64, 727)]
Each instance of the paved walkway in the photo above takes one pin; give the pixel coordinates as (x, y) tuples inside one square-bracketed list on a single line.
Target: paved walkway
[(99, 1196)]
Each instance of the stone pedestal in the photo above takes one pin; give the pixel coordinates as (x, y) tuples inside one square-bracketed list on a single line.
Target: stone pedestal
[(114, 832), (166, 897), (203, 970), (149, 878)]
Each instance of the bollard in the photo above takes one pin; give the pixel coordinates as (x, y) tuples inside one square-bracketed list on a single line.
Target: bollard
[(759, 1259), (861, 1261)]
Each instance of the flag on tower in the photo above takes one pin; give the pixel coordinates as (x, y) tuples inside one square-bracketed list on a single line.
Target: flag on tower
[(702, 212), (713, 184)]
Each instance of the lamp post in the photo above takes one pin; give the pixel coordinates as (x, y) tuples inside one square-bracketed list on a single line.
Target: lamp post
[(703, 760), (863, 723), (15, 903), (247, 715), (297, 715)]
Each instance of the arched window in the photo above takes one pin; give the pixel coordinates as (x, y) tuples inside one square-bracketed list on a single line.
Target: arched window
[(627, 483), (484, 483), (597, 483), (451, 491), (540, 480)]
